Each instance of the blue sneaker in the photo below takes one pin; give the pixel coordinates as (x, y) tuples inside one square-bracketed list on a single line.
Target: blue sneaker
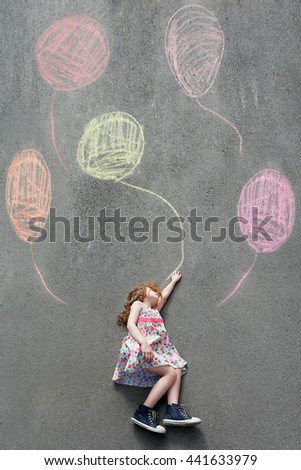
[(147, 418), (176, 415)]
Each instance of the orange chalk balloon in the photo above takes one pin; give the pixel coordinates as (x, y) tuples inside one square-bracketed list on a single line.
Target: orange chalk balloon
[(28, 192), (28, 195)]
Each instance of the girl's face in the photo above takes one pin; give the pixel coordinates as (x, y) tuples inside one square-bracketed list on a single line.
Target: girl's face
[(152, 295)]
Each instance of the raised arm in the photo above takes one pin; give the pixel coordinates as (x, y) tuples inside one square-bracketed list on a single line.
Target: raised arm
[(175, 277)]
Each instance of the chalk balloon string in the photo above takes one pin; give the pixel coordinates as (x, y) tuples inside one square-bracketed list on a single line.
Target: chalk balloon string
[(239, 284), (172, 208), (42, 279), (220, 116), (53, 135)]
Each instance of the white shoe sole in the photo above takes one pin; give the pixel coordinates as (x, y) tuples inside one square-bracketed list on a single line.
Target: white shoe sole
[(173, 422), (159, 429)]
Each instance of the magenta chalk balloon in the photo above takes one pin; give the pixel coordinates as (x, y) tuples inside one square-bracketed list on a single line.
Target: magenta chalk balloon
[(194, 44), (72, 53), (272, 197), (271, 193)]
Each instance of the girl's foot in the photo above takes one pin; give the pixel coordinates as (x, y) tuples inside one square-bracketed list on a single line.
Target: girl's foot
[(147, 418), (176, 415)]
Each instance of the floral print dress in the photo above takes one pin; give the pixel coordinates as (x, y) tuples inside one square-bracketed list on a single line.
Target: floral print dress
[(130, 368)]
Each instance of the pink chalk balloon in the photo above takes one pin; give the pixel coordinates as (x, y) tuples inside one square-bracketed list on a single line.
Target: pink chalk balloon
[(194, 45), (72, 53), (271, 193)]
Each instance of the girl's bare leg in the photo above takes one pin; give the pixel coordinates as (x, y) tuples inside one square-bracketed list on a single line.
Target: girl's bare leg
[(168, 378), (174, 392)]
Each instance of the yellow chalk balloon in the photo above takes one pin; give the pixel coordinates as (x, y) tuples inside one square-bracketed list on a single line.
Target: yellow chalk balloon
[(111, 146)]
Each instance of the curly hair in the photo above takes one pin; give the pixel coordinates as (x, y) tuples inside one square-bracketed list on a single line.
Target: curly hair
[(136, 293)]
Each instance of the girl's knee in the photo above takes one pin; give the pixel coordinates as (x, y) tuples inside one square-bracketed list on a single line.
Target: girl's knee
[(172, 373), (177, 373), (166, 371)]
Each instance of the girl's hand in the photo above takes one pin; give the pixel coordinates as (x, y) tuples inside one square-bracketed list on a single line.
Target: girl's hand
[(147, 352), (176, 276)]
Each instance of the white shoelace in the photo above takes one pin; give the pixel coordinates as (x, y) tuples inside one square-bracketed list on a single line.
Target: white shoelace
[(183, 411), (152, 416)]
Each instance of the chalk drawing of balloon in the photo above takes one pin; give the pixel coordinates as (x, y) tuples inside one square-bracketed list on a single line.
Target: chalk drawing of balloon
[(194, 46), (28, 196), (72, 53), (111, 147), (266, 211)]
